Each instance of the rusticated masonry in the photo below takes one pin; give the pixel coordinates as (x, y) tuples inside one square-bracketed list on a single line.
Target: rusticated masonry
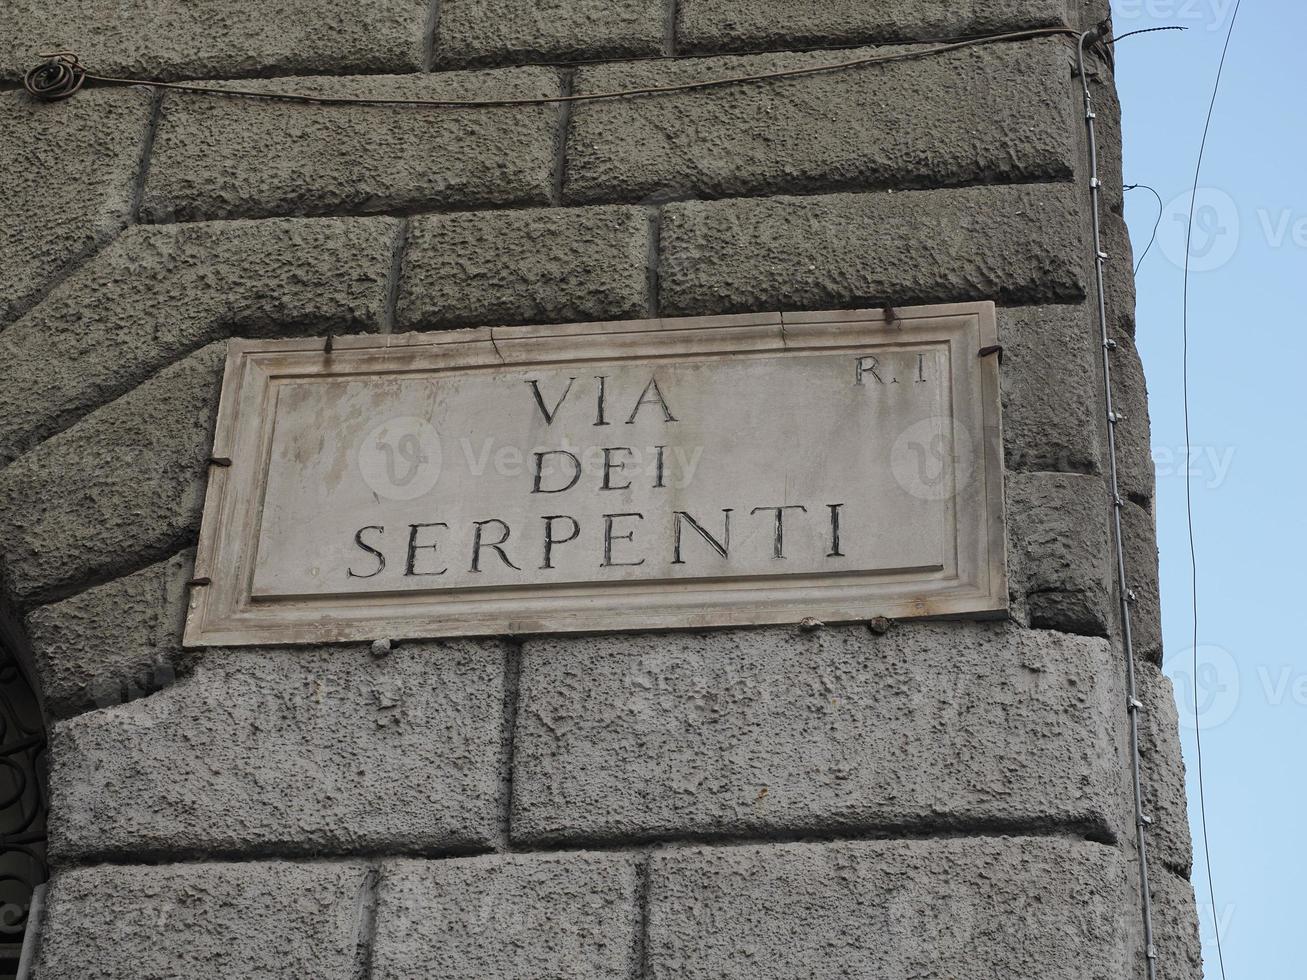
[(892, 799)]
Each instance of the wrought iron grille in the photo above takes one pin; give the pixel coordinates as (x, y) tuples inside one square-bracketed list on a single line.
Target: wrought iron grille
[(23, 802)]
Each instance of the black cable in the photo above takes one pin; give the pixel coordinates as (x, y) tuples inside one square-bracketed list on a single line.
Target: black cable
[(1188, 485), (1156, 224), (63, 74), (1145, 30)]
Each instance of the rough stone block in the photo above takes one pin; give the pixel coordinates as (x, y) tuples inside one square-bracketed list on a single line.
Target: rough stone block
[(273, 920), (1015, 245), (1175, 929), (516, 31), (1000, 114), (217, 158), (1017, 907), (158, 293), (525, 916), (122, 487), (1060, 556), (1052, 389), (1162, 766), (306, 750), (1134, 453), (112, 643), (217, 38), (1119, 275), (530, 266), (1107, 125), (748, 732), (1139, 529), (733, 25), (1090, 12), (1119, 267), (70, 169)]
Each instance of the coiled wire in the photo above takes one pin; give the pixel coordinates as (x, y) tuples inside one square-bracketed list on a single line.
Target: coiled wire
[(61, 75)]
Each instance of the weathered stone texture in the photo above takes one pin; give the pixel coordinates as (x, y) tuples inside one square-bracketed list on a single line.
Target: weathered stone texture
[(1016, 245), (217, 38), (1139, 527), (1134, 432), (516, 31), (1051, 389), (1163, 771), (114, 642), (1059, 551), (747, 733), (1010, 907), (158, 293), (1175, 927), (1119, 277), (1107, 125), (993, 115), (527, 266), (1090, 12), (275, 921), (950, 178), (218, 158), (515, 917), (122, 487), (714, 25), (304, 750), (69, 175)]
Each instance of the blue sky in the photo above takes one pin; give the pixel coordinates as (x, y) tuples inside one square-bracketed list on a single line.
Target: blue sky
[(1248, 376)]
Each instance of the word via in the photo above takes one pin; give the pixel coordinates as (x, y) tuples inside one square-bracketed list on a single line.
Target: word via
[(651, 396)]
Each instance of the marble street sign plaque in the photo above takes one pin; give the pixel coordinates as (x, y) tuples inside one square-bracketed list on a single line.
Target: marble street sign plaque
[(715, 471)]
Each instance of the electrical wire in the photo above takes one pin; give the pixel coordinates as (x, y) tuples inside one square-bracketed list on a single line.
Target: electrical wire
[(1125, 596), (1156, 224), (63, 74), (1145, 30), (1188, 484)]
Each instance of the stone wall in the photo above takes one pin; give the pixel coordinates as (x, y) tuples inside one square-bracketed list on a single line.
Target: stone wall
[(933, 800)]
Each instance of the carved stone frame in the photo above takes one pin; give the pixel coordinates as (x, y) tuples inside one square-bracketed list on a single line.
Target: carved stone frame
[(222, 612)]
